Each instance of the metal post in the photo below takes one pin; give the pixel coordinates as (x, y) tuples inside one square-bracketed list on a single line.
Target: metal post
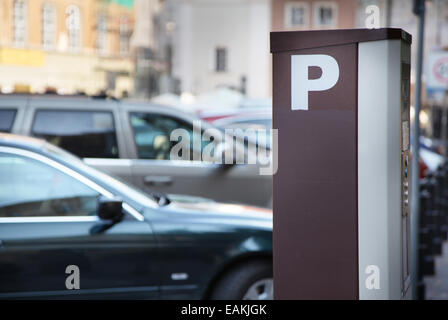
[(443, 130), (419, 10), (388, 13)]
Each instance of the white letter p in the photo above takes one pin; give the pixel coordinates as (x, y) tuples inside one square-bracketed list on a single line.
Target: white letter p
[(301, 85)]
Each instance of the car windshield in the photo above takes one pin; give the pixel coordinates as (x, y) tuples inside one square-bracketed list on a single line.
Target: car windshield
[(120, 186)]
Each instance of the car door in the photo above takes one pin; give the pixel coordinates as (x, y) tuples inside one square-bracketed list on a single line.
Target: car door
[(154, 170), (87, 128), (47, 212)]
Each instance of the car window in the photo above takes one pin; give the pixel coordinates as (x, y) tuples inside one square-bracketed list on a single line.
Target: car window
[(29, 188), (152, 135), (87, 134), (122, 187), (7, 119)]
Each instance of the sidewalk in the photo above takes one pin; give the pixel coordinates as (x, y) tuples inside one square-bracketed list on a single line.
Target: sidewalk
[(437, 285)]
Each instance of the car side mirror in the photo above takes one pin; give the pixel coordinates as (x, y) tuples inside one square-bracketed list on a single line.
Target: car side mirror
[(110, 212), (110, 209)]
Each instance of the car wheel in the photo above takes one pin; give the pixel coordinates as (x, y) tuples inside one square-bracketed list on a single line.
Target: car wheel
[(251, 281)]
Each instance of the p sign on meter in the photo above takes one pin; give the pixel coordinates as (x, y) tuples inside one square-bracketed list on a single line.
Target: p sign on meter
[(301, 84)]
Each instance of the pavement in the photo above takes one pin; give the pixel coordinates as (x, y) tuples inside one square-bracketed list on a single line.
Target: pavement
[(437, 285)]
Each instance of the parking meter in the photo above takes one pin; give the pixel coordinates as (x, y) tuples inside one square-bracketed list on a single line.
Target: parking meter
[(341, 192)]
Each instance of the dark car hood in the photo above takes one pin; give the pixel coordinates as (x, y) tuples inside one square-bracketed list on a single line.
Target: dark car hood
[(197, 208)]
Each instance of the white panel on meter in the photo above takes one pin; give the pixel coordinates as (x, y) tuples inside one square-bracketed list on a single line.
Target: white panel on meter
[(379, 169)]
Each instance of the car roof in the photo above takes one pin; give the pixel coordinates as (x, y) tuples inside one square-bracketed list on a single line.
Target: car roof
[(24, 142), (241, 118), (80, 98)]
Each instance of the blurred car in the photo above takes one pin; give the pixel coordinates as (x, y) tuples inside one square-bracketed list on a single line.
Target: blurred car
[(429, 161), (256, 120), (131, 140), (429, 156), (57, 212), (214, 115)]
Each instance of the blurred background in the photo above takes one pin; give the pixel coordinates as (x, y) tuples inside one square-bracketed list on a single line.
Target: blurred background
[(203, 56)]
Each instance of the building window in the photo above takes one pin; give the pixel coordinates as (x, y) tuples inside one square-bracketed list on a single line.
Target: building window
[(124, 35), (73, 24), (221, 59), (48, 26), (102, 34), (20, 22), (325, 14), (296, 15)]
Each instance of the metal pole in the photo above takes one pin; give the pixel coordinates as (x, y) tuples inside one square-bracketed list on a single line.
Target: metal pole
[(419, 9), (443, 129), (388, 13)]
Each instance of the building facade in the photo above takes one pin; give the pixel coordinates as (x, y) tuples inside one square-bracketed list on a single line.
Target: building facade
[(213, 43), (289, 15), (149, 56), (225, 43), (67, 46)]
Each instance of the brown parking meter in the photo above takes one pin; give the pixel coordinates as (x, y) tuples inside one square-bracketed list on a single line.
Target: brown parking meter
[(341, 213)]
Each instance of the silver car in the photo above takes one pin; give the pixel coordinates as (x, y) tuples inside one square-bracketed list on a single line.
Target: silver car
[(131, 140)]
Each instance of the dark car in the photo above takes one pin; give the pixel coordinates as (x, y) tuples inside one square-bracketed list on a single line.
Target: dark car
[(58, 216)]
